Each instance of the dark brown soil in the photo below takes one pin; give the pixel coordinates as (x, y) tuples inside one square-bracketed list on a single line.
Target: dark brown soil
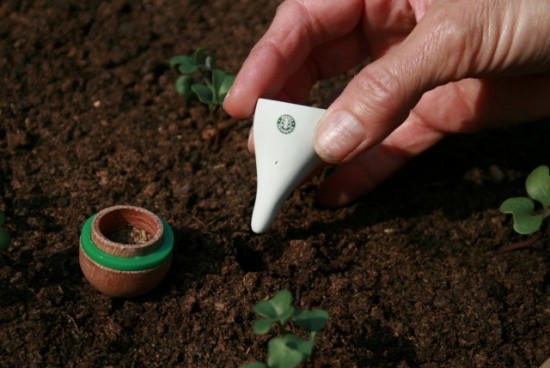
[(412, 275)]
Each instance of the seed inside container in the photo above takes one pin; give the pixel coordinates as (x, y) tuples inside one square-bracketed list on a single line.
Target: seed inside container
[(130, 235)]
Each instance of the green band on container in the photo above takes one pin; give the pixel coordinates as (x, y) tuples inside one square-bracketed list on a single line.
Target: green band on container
[(138, 263)]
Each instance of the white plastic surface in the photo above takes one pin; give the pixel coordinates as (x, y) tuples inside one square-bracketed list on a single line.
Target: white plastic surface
[(283, 141)]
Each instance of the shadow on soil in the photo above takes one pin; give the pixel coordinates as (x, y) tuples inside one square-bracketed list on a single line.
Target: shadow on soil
[(441, 178)]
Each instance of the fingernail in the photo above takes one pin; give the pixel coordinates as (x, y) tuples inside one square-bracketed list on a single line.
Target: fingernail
[(250, 143), (338, 133), (227, 95)]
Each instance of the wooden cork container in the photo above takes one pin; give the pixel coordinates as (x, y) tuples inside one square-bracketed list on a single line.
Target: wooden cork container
[(125, 251)]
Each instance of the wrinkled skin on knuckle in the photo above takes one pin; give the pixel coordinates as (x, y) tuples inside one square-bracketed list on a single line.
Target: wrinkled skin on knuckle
[(379, 92), (454, 37), (526, 43), (488, 37)]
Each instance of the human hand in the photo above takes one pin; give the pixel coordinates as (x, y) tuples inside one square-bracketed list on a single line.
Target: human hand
[(437, 67)]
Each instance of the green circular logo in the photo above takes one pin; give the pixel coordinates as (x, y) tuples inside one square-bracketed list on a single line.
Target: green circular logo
[(286, 124)]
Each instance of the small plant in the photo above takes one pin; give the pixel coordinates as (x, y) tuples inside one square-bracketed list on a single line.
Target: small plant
[(529, 212), (200, 79), (4, 235), (287, 350)]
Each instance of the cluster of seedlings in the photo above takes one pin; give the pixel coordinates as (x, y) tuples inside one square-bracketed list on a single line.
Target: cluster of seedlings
[(200, 79), (287, 350)]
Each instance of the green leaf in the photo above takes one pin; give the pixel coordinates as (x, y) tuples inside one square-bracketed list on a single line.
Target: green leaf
[(254, 365), (2, 218), (278, 308), (281, 355), (226, 85), (186, 64), (311, 321), (200, 55), (262, 326), (5, 239), (222, 82), (526, 221), (188, 68), (183, 85), (176, 60), (305, 347), (538, 185), (204, 93)]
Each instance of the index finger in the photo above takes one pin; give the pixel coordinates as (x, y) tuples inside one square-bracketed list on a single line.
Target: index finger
[(298, 26)]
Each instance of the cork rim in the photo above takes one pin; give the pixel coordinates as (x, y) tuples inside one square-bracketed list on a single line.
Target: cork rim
[(112, 219), (147, 261)]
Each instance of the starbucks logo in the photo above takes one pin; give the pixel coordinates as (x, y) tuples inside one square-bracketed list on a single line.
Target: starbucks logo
[(286, 124)]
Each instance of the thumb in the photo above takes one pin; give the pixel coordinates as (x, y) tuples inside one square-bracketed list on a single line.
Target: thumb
[(440, 49)]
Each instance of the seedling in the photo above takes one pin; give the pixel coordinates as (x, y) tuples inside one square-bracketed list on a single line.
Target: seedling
[(287, 350), (529, 212), (201, 79), (4, 235)]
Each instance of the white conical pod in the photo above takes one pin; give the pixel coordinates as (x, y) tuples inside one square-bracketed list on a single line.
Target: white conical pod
[(283, 141)]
